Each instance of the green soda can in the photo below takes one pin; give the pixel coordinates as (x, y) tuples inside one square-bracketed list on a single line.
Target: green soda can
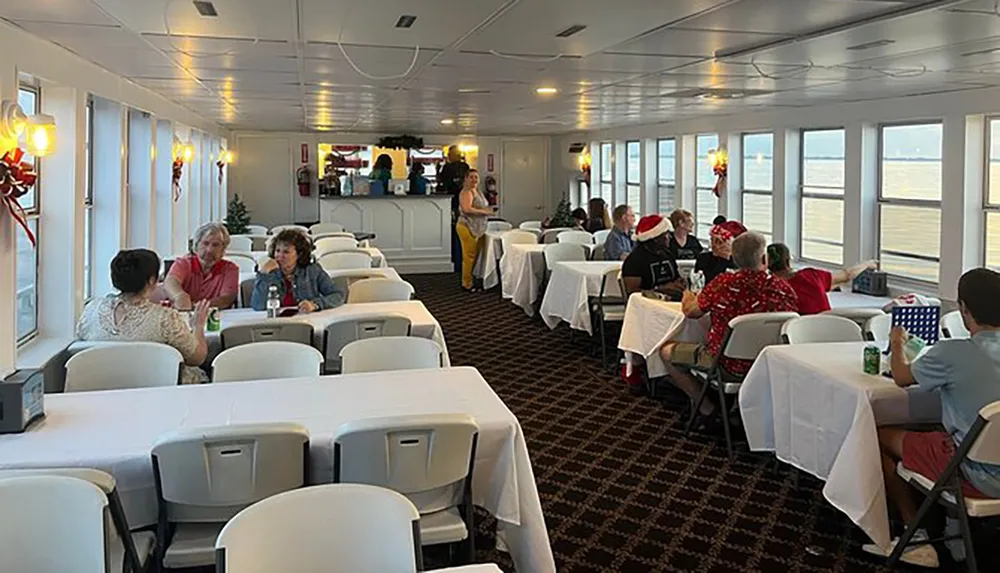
[(873, 359), (214, 322)]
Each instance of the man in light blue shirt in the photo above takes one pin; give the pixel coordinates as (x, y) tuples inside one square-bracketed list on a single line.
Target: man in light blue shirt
[(966, 373), (620, 242)]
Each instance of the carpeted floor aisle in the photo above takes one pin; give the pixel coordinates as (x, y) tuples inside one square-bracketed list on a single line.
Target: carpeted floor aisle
[(621, 487)]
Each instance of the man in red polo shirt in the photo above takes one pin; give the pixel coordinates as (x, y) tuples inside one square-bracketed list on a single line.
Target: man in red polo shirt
[(203, 274)]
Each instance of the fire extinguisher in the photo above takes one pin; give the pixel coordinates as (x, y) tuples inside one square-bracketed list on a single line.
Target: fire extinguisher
[(304, 179), (491, 189)]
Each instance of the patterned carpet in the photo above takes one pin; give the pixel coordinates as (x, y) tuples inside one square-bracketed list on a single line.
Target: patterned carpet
[(622, 489)]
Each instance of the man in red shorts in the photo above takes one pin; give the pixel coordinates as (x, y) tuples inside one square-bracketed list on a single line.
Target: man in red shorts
[(966, 373)]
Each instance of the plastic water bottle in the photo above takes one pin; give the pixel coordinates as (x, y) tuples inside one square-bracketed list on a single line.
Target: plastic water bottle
[(273, 302)]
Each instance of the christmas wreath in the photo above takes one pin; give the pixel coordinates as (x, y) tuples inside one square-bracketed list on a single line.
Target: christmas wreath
[(401, 142)]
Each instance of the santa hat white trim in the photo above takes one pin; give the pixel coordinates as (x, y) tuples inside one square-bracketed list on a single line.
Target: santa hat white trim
[(662, 227)]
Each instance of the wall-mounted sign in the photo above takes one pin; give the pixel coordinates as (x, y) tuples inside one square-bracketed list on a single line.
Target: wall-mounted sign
[(305, 153), (489, 163)]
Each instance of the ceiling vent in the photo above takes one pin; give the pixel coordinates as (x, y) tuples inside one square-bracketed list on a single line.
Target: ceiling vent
[(205, 8), (577, 147), (574, 29), (473, 91), (405, 21), (981, 52), (870, 45)]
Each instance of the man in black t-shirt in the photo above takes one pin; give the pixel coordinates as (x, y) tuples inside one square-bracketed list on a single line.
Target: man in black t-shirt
[(650, 266), (452, 175)]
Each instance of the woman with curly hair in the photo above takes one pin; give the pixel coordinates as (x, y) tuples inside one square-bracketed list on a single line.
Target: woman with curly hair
[(301, 282)]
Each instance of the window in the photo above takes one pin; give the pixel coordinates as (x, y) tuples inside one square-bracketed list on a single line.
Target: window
[(606, 190), (88, 204), (992, 199), (633, 192), (666, 178), (910, 200), (758, 182), (822, 193), (707, 205), (26, 272)]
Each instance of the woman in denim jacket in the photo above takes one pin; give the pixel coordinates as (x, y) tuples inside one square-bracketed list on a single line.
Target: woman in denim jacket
[(301, 282)]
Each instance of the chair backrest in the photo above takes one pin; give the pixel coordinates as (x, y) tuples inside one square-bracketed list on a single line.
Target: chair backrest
[(269, 331), (562, 252), (209, 474), (858, 315), (332, 528), (550, 236), (256, 230), (986, 448), (246, 263), (325, 228), (611, 286), (299, 228), (601, 236), (821, 328), (575, 237), (426, 457), (112, 366), (266, 361), (749, 334), (337, 260), (332, 234), (52, 524), (877, 328), (531, 225), (498, 226), (246, 291), (343, 332), (517, 237), (952, 325), (389, 353), (331, 244), (379, 290), (685, 267), (240, 244)]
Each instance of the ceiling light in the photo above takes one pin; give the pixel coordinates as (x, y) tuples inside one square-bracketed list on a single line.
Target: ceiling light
[(869, 45), (405, 21), (205, 8), (447, 121), (473, 91), (546, 90), (574, 29)]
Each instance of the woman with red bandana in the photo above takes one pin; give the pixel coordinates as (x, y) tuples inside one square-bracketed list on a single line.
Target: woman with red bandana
[(719, 259)]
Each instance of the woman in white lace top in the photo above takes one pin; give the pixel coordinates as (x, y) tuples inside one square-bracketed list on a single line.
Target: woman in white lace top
[(131, 316)]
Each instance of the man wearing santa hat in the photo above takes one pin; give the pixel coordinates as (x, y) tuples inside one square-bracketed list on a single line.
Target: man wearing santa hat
[(650, 266), (719, 259)]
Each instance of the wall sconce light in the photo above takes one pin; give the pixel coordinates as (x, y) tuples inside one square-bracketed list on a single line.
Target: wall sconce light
[(40, 130), (718, 157), (41, 135), (225, 157), (12, 124), (467, 147), (182, 151)]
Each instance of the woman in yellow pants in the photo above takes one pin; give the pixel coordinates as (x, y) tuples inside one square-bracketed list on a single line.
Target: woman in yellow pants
[(473, 211)]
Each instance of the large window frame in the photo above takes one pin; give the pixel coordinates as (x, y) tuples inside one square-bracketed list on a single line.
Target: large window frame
[(701, 162), (88, 204), (666, 185), (890, 202), (27, 297), (757, 192), (831, 195), (606, 186), (991, 209), (633, 187)]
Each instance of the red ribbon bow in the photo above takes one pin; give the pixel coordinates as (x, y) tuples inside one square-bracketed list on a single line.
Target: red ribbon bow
[(16, 179)]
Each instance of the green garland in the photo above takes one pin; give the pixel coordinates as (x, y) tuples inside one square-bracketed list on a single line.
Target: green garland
[(401, 142)]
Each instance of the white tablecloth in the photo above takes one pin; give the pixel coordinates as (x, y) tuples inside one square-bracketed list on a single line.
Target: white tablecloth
[(479, 568), (854, 300), (487, 267), (813, 405), (522, 270), (567, 294), (115, 431), (378, 259), (423, 324), (650, 323)]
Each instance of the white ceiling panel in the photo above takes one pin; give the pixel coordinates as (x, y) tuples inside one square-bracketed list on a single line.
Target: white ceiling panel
[(622, 63), (65, 11), (693, 43), (787, 16), (261, 19)]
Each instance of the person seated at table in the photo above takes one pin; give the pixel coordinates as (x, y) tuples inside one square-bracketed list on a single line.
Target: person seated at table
[(579, 219), (131, 315), (597, 215), (719, 259), (719, 219), (418, 183), (620, 243), (683, 244), (749, 290), (810, 284), (203, 274), (301, 282), (650, 266), (966, 374)]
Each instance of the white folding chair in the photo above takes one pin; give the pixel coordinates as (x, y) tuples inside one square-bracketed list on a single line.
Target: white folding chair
[(124, 547), (601, 236), (575, 238), (429, 458), (246, 291), (266, 361), (205, 476), (266, 331), (609, 307), (746, 336), (333, 528), (877, 328), (953, 326), (531, 225), (319, 228), (240, 244), (52, 524), (563, 252), (498, 226), (685, 267), (332, 234), (339, 260), (256, 230), (342, 332), (517, 237), (820, 328), (389, 353), (299, 228), (981, 444), (112, 366), (550, 236), (379, 290), (246, 263), (331, 244), (858, 315)]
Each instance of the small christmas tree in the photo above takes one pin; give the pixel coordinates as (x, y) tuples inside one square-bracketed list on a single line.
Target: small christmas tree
[(562, 217), (237, 216)]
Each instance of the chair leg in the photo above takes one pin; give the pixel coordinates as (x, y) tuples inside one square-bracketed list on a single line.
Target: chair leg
[(724, 413), (963, 524), (604, 343), (911, 528), (697, 407)]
